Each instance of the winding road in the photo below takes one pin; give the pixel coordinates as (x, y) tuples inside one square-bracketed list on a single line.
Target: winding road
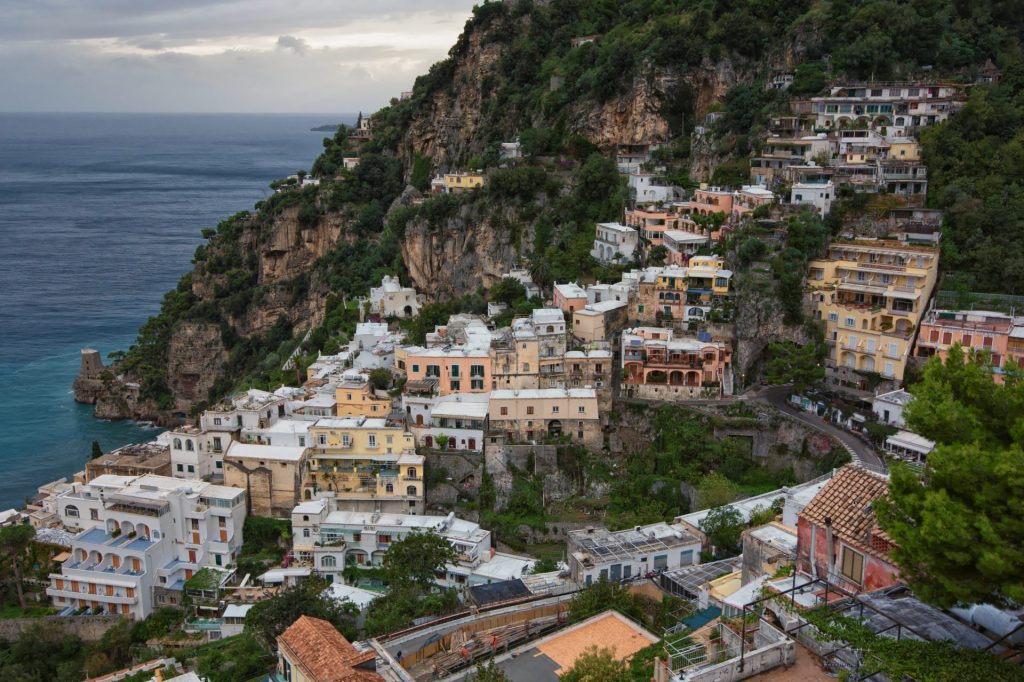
[(858, 448)]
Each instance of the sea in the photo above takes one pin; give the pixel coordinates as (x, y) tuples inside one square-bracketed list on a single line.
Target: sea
[(99, 216)]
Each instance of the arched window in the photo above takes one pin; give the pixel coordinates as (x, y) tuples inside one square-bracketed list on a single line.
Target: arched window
[(328, 562), (177, 444), (411, 472), (188, 445), (72, 511), (389, 488), (411, 490)]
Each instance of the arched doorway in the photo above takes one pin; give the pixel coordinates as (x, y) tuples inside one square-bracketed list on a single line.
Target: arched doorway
[(555, 427)]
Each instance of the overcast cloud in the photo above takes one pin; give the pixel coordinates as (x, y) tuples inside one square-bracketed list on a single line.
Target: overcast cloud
[(218, 55)]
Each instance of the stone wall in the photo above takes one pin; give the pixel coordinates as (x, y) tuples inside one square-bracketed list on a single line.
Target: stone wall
[(465, 471), (87, 628)]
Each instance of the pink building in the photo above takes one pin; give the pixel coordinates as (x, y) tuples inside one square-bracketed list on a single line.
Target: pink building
[(979, 330), (652, 224), (749, 198), (837, 537), (458, 370), (570, 297), (711, 200), (655, 357)]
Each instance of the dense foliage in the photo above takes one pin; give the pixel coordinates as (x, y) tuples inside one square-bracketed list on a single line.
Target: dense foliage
[(959, 532), (270, 617)]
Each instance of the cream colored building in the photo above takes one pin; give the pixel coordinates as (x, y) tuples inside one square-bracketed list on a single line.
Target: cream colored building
[(391, 299), (871, 294), (534, 415), (369, 464), (271, 475), (599, 321)]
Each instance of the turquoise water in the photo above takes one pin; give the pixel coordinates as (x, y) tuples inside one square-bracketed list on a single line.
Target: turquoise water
[(99, 216)]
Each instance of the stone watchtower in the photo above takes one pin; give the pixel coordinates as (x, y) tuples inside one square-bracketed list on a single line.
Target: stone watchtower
[(92, 364)]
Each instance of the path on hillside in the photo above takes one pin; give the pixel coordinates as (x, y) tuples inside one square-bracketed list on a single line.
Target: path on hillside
[(859, 449)]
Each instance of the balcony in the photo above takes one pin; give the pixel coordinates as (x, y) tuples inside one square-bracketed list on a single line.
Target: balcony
[(88, 596)]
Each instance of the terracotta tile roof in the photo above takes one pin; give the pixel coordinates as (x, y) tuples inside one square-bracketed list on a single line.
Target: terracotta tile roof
[(323, 654), (846, 500)]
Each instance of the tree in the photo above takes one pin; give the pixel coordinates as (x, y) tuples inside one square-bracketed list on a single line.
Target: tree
[(789, 363), (723, 526), (489, 672), (14, 543), (508, 291), (97, 451), (958, 529), (269, 618), (416, 559), (380, 378), (597, 665), (604, 595), (716, 490)]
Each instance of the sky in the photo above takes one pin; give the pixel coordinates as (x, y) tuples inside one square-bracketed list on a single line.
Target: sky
[(219, 55)]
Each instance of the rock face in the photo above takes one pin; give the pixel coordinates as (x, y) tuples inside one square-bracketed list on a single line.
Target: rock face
[(759, 321), (279, 257), (466, 251)]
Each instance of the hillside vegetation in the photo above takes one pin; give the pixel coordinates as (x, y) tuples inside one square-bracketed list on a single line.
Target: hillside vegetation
[(655, 69)]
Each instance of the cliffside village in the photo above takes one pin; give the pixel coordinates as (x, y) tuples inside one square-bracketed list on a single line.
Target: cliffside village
[(346, 462)]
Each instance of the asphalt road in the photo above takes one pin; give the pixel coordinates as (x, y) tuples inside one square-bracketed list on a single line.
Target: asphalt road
[(776, 396)]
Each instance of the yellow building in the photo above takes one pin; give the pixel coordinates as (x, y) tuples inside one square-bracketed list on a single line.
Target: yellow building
[(355, 398), (871, 294), (462, 182), (369, 465), (904, 150)]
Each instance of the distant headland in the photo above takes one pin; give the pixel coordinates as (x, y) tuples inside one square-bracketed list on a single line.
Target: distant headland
[(326, 128)]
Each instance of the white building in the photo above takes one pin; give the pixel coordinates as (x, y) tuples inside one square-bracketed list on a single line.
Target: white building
[(329, 540), (682, 244), (140, 534), (909, 446), (819, 195), (391, 299), (888, 407), (522, 275), (460, 418), (646, 189), (614, 243), (599, 554)]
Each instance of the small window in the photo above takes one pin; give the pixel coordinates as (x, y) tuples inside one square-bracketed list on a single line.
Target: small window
[(529, 409), (504, 411), (852, 565), (71, 511)]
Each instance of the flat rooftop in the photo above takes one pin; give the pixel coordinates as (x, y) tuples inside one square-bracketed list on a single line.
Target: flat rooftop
[(545, 659)]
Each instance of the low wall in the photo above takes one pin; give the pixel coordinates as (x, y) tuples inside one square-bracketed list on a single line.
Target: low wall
[(670, 393), (86, 628), (776, 650)]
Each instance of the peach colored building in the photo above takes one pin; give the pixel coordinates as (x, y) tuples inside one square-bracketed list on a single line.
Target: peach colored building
[(979, 330), (749, 198), (463, 369), (658, 364), (538, 414), (652, 224), (711, 200), (569, 297)]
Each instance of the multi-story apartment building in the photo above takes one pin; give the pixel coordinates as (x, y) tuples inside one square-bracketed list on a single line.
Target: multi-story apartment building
[(140, 535), (615, 243), (354, 397), (652, 223), (901, 107), (658, 364), (599, 554), (779, 155), (708, 201), (684, 293), (329, 539), (535, 414), (548, 325), (871, 294), (749, 198), (515, 357), (998, 334), (457, 421), (369, 464), (598, 322), (458, 369), (681, 245), (591, 369), (391, 299)]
